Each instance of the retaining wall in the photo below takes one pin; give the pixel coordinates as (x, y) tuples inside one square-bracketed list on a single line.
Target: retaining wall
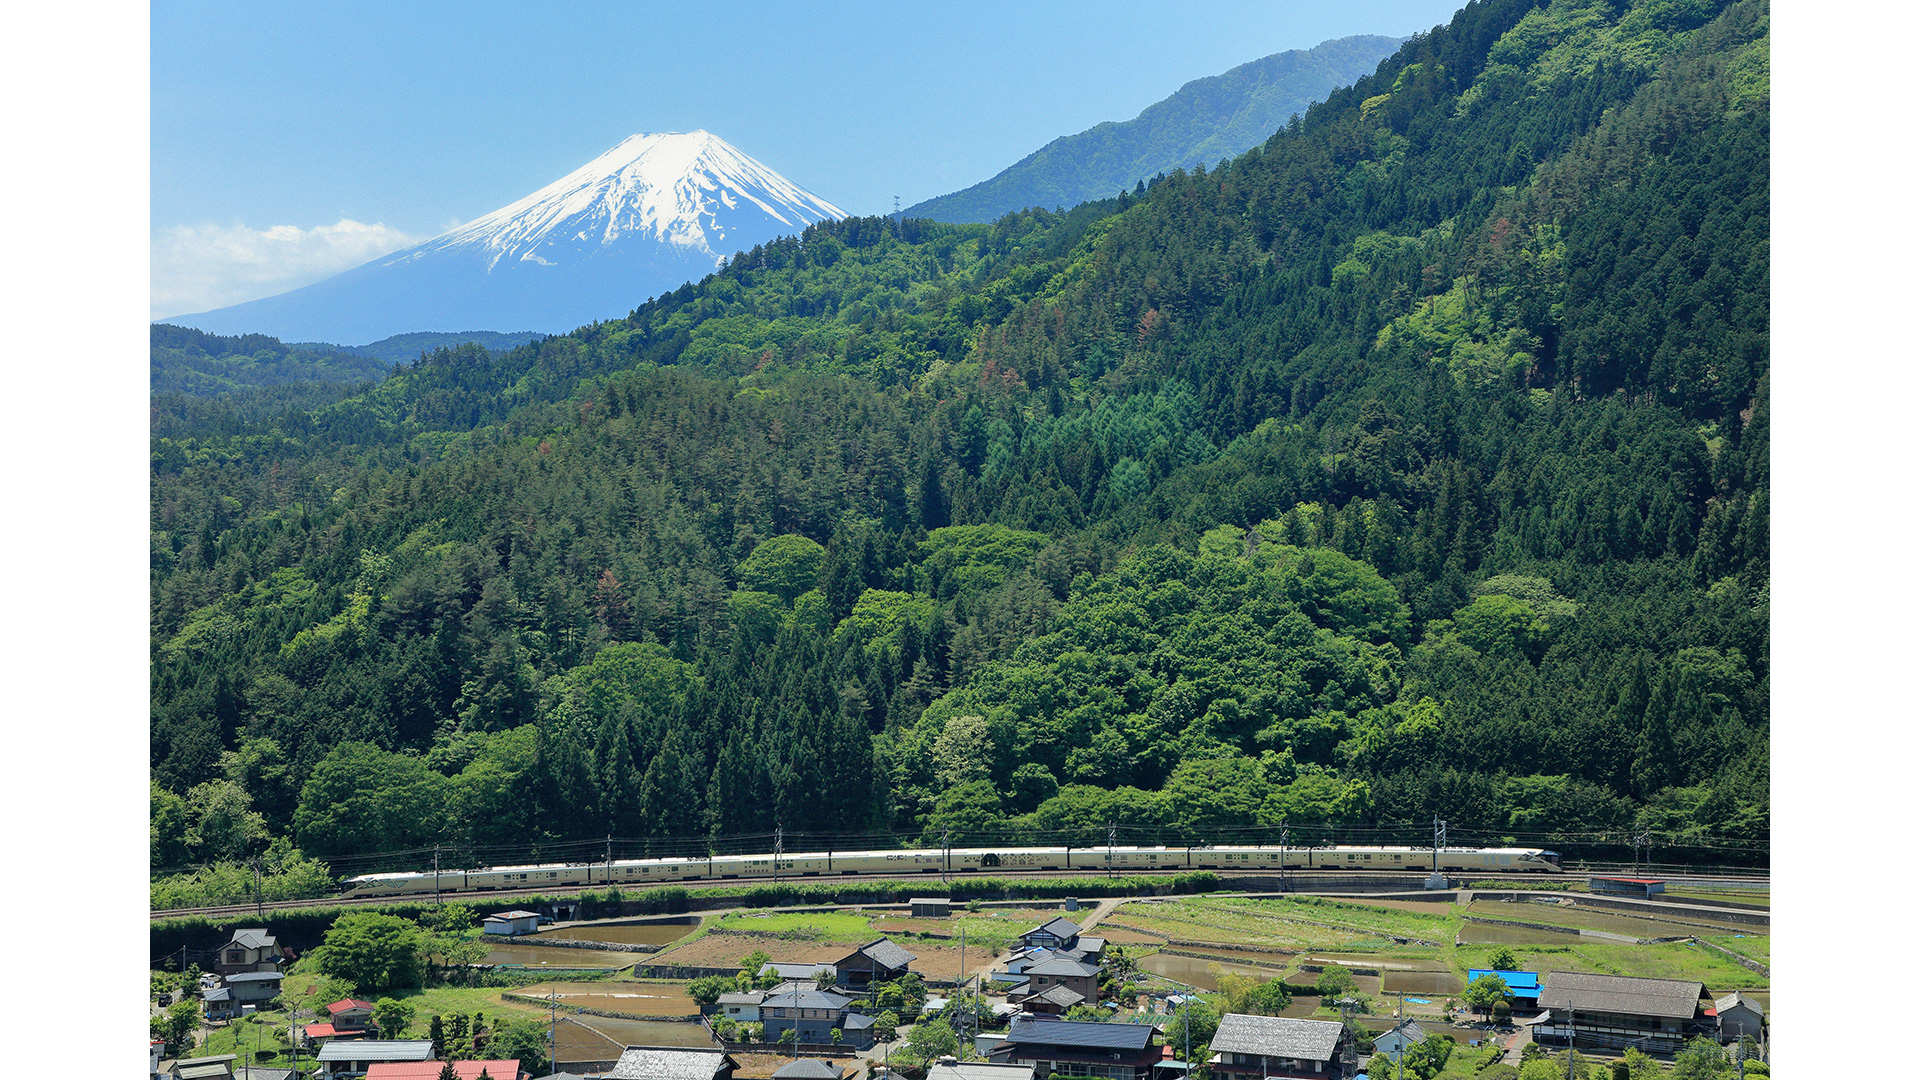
[(1675, 912), (597, 946)]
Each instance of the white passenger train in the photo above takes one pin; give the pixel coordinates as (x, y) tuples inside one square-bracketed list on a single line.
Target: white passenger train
[(954, 860)]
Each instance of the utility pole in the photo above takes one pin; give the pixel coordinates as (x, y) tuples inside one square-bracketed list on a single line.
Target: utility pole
[(259, 902), (946, 853), (609, 859), (1110, 841), (1439, 840), (779, 842), (960, 993), (553, 1047), (1642, 839), (436, 874), (1283, 856)]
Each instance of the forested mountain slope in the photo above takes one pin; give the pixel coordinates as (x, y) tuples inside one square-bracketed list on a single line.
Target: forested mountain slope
[(1414, 463), (1203, 122), (186, 361)]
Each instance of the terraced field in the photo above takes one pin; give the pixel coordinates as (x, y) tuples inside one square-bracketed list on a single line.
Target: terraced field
[(1291, 924), (1586, 919)]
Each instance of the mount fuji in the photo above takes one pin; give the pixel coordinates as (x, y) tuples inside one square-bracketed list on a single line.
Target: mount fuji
[(652, 213)]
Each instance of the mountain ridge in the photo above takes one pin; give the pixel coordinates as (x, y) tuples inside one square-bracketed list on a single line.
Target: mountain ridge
[(1209, 118)]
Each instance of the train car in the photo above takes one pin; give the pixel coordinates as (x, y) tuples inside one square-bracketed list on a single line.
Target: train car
[(1359, 857), (990, 859), (956, 860)]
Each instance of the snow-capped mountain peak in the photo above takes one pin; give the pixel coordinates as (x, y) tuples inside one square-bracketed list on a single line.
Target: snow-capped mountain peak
[(640, 220), (680, 188)]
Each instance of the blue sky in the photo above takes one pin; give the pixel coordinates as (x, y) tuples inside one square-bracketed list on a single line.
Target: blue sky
[(293, 141)]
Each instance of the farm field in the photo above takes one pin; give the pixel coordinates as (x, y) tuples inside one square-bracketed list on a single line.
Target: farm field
[(1582, 919), (634, 998), (598, 1038), (995, 929), (726, 950), (1290, 924), (815, 925), (1754, 946)]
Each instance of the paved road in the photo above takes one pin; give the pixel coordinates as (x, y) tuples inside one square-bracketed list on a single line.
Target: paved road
[(1515, 1044)]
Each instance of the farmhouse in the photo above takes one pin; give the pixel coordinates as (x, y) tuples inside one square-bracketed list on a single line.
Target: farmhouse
[(354, 1058), (1078, 1048), (1613, 1013), (1256, 1047), (671, 1063), (879, 960), (250, 950)]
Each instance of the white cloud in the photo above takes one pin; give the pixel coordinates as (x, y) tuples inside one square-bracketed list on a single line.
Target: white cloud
[(201, 267)]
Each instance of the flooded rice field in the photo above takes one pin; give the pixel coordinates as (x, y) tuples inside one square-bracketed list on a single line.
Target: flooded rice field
[(1199, 972), (597, 1038), (635, 998), (660, 933), (1421, 982), (534, 956)]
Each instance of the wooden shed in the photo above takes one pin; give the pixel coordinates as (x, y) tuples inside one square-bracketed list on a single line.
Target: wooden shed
[(930, 907)]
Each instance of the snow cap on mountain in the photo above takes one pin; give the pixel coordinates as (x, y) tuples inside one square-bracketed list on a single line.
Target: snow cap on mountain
[(676, 187), (652, 213)]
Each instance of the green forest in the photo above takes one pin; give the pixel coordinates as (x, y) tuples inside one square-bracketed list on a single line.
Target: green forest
[(1412, 464)]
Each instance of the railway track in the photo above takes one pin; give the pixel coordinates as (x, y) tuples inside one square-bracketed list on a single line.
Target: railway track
[(1694, 875)]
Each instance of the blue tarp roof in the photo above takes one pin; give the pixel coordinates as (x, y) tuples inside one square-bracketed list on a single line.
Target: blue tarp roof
[(1517, 981)]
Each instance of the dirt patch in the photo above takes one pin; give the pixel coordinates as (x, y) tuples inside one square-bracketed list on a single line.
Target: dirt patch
[(941, 962)]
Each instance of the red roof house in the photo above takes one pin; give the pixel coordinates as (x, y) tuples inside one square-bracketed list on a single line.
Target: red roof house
[(351, 1014)]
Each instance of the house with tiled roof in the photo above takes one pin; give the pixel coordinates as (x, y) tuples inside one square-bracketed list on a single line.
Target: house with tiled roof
[(1052, 1001), (350, 1015), (1055, 933), (1263, 1047), (671, 1063), (1078, 1048), (217, 1067), (809, 1069), (816, 1014), (252, 949), (353, 1058), (1614, 1012), (1076, 975), (1740, 1017), (741, 1007), (1397, 1039), (879, 960)]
